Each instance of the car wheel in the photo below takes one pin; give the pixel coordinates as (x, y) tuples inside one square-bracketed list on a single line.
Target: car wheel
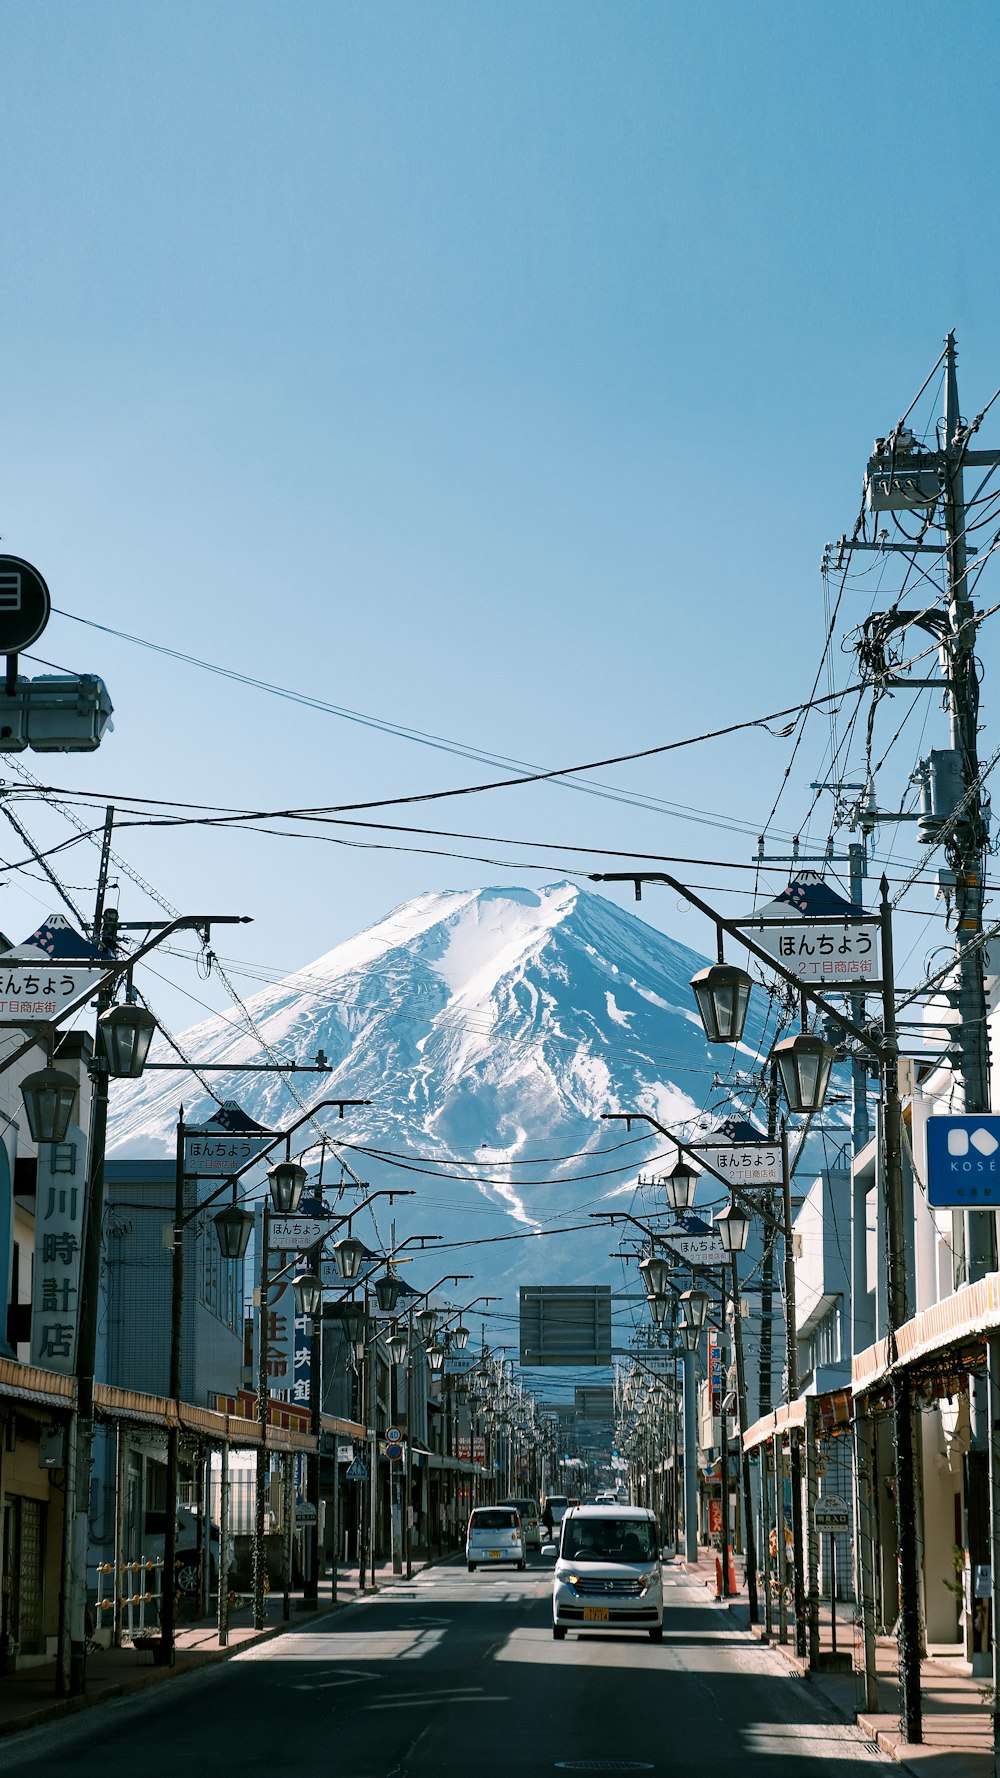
[(657, 1634), (559, 1632), (472, 1567), (186, 1573)]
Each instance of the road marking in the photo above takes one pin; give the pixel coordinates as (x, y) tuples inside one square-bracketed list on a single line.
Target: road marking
[(346, 1676)]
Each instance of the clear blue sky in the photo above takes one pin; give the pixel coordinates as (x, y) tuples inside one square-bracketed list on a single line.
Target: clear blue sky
[(499, 370)]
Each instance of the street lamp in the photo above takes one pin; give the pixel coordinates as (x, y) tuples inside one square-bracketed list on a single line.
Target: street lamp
[(426, 1323), (387, 1291), (49, 1097), (655, 1275), (124, 1034), (397, 1346), (722, 993), (732, 1225), (308, 1292), (435, 1359), (658, 1307), (287, 1181), (804, 1063), (349, 1254), (695, 1306), (352, 1320), (691, 1337), (460, 1337), (232, 1228), (679, 1185)]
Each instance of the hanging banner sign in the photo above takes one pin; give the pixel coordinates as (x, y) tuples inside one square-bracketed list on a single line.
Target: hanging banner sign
[(296, 1234), (745, 1163), (701, 1249), (38, 991), (817, 934), (823, 951), (212, 1153)]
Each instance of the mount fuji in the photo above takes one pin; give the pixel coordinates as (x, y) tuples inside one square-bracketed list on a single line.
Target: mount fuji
[(490, 1029)]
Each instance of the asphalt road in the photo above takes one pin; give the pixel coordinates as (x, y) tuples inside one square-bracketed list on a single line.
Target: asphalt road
[(457, 1676)]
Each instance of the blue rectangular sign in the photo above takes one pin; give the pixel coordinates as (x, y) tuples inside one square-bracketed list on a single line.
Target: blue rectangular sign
[(963, 1162)]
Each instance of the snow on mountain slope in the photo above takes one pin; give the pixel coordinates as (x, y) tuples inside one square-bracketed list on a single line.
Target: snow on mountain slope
[(490, 1029)]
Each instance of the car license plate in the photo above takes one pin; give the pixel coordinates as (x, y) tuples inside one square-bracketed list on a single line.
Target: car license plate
[(596, 1614), (495, 1555)]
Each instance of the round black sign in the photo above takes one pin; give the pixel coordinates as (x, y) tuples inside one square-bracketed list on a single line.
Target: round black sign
[(25, 606)]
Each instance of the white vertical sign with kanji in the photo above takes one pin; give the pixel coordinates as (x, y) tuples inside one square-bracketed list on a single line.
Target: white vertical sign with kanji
[(59, 1214)]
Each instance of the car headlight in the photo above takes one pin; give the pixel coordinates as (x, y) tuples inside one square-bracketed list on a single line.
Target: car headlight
[(649, 1581)]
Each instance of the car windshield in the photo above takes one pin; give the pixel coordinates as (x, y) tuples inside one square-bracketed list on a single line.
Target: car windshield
[(498, 1518), (609, 1540)]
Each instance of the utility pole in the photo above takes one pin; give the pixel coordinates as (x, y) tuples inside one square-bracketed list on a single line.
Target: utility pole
[(967, 842)]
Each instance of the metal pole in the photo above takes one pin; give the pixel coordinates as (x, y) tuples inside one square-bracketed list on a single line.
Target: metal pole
[(993, 1395), (779, 1534), (408, 1503), (911, 1713), (812, 1537), (724, 1587), (263, 1417), (119, 1555), (864, 1437), (224, 1545), (765, 1538), (86, 1352), (168, 1604), (749, 1538), (690, 1460), (792, 1367)]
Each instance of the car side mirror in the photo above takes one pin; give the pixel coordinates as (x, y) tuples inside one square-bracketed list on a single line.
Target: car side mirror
[(549, 1549)]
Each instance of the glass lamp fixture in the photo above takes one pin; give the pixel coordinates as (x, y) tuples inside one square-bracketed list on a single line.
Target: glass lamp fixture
[(658, 1306), (426, 1323), (307, 1290), (49, 1097), (691, 1336), (124, 1034), (435, 1358), (679, 1186), (387, 1291), (232, 1230), (352, 1319), (722, 994), (804, 1063), (397, 1346), (655, 1274), (694, 1305), (460, 1337), (732, 1225), (286, 1181), (348, 1254)]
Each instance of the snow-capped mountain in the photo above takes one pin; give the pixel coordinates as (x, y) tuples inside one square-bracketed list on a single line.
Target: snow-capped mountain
[(490, 1029)]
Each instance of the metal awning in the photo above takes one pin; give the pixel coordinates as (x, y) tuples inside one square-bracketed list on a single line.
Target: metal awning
[(775, 1424), (968, 1314)]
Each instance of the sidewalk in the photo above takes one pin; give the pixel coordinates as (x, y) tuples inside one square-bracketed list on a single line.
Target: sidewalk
[(957, 1725), (27, 1697)]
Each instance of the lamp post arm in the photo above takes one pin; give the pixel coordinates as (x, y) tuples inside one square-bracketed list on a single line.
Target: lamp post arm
[(231, 1179), (748, 1204), (736, 932)]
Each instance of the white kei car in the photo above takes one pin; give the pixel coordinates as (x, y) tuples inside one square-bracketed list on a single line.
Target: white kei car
[(607, 1574), (494, 1537)]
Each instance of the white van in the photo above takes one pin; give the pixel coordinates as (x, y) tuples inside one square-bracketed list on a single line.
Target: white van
[(608, 1574), (494, 1537)]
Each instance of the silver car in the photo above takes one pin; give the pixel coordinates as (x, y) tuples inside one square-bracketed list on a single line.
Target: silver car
[(494, 1537)]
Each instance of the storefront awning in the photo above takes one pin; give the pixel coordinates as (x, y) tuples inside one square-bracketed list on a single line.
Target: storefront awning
[(967, 1314)]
